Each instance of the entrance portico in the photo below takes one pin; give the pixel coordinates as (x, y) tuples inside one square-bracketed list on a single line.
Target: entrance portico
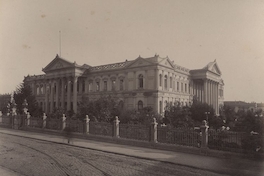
[(206, 85)]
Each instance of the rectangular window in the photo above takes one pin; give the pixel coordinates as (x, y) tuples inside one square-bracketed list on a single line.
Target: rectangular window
[(185, 88), (178, 86), (189, 89), (160, 107), (105, 85), (170, 82), (83, 86), (181, 87)]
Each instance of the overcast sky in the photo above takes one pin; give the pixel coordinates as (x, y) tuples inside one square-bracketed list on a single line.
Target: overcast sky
[(190, 32)]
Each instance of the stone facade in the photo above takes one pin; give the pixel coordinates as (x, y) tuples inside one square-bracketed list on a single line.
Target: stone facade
[(138, 83)]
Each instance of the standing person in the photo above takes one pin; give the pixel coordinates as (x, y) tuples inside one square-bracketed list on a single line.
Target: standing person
[(68, 134)]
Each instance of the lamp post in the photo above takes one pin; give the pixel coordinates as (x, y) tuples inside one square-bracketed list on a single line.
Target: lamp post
[(206, 114)]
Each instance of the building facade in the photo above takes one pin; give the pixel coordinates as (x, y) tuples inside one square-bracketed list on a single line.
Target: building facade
[(138, 83)]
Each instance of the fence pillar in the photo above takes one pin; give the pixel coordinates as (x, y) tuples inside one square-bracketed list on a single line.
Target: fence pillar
[(153, 131), (116, 127), (87, 121), (1, 118), (204, 139), (63, 122), (28, 119), (44, 121)]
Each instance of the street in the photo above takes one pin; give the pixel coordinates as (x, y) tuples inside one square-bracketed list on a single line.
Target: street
[(25, 156)]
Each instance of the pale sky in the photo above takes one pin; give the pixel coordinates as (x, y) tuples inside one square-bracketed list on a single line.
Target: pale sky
[(192, 33)]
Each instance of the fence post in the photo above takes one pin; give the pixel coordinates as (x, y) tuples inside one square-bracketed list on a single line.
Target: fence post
[(28, 119), (63, 122), (87, 120), (204, 139), (44, 121), (1, 118), (116, 127), (153, 131)]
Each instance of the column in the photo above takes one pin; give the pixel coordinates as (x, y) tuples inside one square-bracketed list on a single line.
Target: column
[(86, 85), (57, 94), (210, 85), (191, 87), (213, 93), (200, 91), (156, 79), (33, 87), (135, 81), (62, 93), (215, 97), (208, 92), (75, 79), (145, 83), (125, 86), (162, 80), (205, 91), (68, 94), (217, 102), (46, 97), (52, 97)]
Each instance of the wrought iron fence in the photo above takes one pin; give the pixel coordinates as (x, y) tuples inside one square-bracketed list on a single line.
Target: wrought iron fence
[(101, 128), (75, 125), (225, 140), (36, 122), (187, 137), (54, 124), (131, 131), (6, 121)]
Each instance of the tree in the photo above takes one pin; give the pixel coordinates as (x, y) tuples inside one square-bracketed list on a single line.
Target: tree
[(144, 116), (22, 93), (198, 112), (178, 116), (103, 109)]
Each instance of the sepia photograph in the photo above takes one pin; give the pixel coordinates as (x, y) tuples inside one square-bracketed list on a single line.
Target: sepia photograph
[(131, 88)]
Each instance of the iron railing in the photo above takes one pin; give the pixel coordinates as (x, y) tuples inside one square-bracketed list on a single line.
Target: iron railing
[(187, 137), (54, 124), (137, 132), (101, 128), (75, 125)]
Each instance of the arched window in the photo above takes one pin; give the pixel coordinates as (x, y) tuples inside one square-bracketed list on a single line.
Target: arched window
[(165, 81), (121, 105), (140, 105), (140, 81)]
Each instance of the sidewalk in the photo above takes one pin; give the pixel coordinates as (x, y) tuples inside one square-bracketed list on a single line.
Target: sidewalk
[(236, 166)]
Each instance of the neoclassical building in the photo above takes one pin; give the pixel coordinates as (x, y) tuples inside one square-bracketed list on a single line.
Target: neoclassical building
[(153, 81)]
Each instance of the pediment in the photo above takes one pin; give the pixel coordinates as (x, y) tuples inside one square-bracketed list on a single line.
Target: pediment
[(167, 63), (139, 62), (57, 63), (213, 67)]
